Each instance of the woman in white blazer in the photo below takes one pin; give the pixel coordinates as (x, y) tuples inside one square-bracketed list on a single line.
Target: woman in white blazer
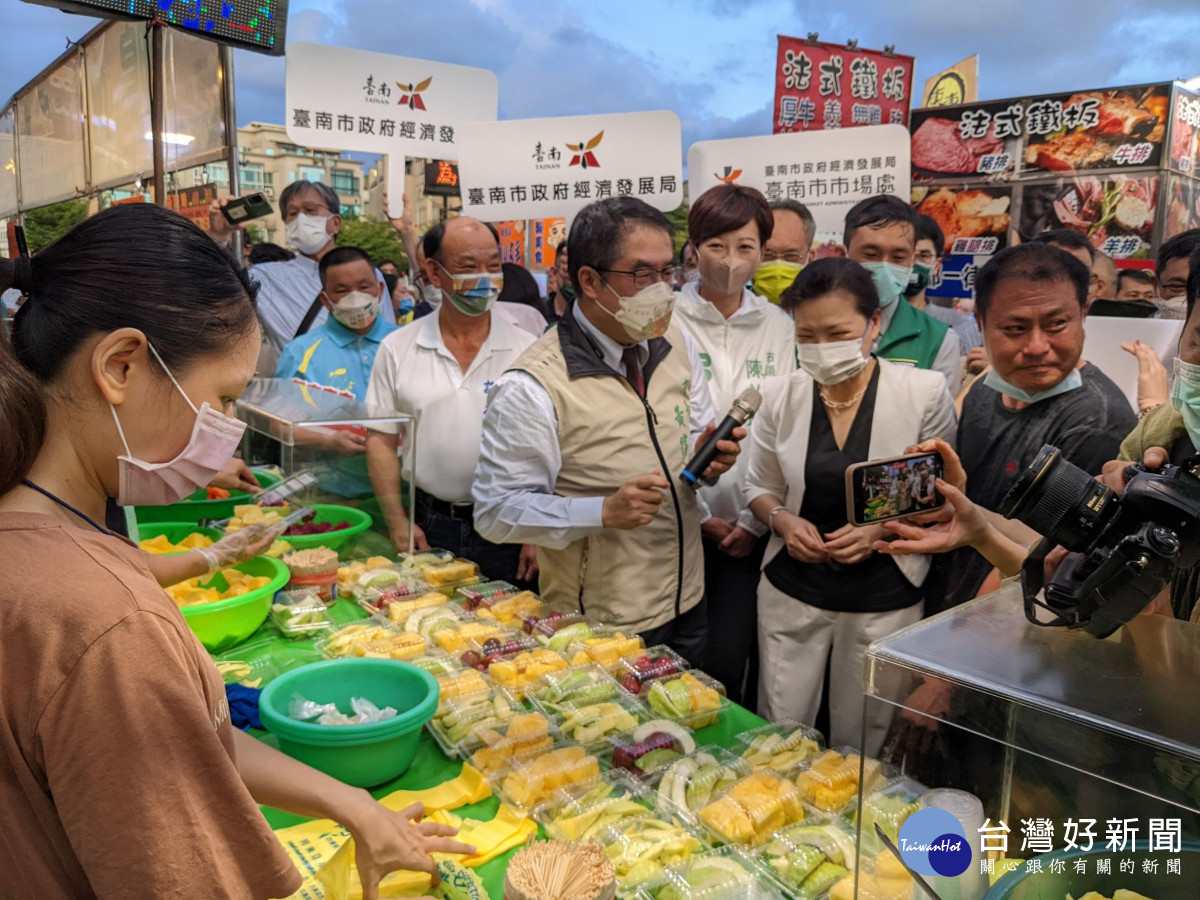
[(825, 594)]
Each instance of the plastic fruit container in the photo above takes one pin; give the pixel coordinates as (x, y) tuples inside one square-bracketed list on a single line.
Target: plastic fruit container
[(371, 638), (653, 745), (693, 698), (643, 848), (513, 665), (829, 782), (223, 623), (197, 506), (257, 663), (806, 859), (693, 780), (726, 872), (358, 521), (637, 671), (888, 806), (750, 809), (300, 614), (567, 689), (485, 593), (782, 747), (458, 718), (532, 780), (175, 532), (606, 646), (523, 735), (594, 723), (457, 639), (448, 577), (361, 755), (617, 810), (510, 608)]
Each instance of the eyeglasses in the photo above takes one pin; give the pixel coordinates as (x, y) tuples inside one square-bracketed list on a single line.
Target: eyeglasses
[(644, 277), (792, 256), (309, 209)]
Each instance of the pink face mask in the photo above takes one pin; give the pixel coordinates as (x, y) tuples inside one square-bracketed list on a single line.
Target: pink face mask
[(214, 440)]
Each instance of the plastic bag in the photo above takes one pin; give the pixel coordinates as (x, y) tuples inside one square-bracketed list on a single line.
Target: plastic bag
[(369, 712), (304, 710), (328, 714)]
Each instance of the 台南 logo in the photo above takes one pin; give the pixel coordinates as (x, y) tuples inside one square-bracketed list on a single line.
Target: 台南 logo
[(411, 93), (583, 153), (731, 175), (933, 842)]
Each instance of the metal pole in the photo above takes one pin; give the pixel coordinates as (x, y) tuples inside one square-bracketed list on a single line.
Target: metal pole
[(231, 137), (157, 88)]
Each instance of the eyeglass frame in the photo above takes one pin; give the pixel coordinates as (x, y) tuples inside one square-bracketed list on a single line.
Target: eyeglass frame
[(771, 256), (670, 275)]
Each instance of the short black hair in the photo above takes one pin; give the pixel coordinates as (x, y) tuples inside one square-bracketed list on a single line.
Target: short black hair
[(1033, 261), (267, 252), (380, 263), (600, 229), (833, 273), (1067, 240), (929, 230), (806, 217), (877, 212), (1141, 276), (1182, 244), (432, 242), (339, 256)]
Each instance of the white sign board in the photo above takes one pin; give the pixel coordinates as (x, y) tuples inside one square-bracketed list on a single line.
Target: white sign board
[(378, 103), (828, 171), (541, 168), (1102, 347)]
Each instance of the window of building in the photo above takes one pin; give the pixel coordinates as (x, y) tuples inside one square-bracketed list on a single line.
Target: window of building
[(344, 182), (312, 173), (349, 211)]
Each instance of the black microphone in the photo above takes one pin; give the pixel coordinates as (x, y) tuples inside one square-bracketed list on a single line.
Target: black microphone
[(743, 408)]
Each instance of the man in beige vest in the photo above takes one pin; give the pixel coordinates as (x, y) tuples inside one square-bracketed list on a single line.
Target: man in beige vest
[(585, 436)]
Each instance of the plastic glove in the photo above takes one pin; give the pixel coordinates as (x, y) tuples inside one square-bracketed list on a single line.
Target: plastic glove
[(240, 546)]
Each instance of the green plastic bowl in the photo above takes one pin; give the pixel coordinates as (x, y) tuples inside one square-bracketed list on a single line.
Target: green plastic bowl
[(224, 623), (361, 755), (359, 522), (195, 507), (174, 532)]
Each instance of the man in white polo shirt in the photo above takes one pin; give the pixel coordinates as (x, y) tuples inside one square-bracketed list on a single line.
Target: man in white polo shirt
[(440, 369)]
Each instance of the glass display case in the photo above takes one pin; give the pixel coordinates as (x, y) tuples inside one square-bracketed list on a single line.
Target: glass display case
[(299, 427), (1057, 734)]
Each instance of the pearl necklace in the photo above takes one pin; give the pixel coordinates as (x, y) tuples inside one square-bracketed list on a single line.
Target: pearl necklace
[(842, 404)]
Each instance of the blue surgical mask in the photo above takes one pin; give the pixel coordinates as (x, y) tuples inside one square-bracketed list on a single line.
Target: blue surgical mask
[(993, 380), (1185, 397), (890, 280)]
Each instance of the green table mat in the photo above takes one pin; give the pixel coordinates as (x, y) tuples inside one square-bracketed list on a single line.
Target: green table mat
[(430, 766)]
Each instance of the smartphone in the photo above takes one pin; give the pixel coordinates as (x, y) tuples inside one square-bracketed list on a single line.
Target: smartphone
[(243, 209), (881, 489)]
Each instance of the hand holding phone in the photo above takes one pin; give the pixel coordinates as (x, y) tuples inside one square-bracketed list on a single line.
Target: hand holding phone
[(882, 489)]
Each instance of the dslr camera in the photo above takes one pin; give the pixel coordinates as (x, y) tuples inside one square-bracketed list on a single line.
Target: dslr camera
[(1123, 550)]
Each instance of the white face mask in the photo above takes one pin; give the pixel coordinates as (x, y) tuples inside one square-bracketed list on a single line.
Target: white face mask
[(431, 295), (728, 275), (308, 233), (647, 314), (214, 440), (1172, 307), (356, 310), (834, 362)]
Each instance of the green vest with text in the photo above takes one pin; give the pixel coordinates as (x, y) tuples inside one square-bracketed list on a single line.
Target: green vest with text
[(913, 338)]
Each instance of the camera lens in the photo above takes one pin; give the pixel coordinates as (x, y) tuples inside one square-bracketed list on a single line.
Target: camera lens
[(1059, 501)]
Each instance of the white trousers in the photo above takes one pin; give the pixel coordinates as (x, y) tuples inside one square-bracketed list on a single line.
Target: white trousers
[(794, 641)]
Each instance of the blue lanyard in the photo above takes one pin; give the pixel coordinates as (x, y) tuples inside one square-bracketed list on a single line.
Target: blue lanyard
[(67, 506)]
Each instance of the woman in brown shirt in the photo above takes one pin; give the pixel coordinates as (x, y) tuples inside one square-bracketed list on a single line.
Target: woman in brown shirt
[(120, 774)]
